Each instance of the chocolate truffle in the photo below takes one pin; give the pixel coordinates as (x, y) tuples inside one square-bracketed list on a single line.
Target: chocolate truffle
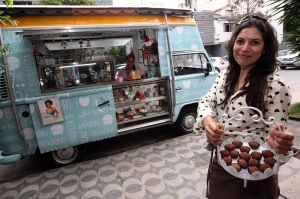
[(227, 160), (244, 156), (253, 162), (270, 161), (267, 153), (243, 164), (256, 155), (224, 153), (236, 166), (229, 147), (234, 154), (237, 143), (245, 149), (254, 144), (263, 167), (253, 169)]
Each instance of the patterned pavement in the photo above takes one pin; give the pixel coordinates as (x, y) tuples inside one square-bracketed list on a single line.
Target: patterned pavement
[(172, 169)]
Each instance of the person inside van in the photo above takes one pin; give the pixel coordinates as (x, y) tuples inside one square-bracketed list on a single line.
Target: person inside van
[(250, 81), (131, 72)]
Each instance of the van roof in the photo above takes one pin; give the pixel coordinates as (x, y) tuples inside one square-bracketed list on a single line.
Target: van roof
[(34, 10), (36, 20)]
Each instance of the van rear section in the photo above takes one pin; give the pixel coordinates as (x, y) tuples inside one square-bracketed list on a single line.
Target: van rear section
[(62, 91)]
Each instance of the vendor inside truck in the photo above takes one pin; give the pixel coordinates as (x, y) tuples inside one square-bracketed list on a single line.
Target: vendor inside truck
[(131, 72)]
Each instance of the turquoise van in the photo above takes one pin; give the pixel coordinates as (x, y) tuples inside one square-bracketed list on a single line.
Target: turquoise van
[(60, 90)]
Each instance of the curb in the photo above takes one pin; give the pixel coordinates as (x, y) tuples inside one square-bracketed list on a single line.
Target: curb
[(295, 118)]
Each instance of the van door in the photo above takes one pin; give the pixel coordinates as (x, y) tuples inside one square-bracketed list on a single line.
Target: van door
[(193, 78)]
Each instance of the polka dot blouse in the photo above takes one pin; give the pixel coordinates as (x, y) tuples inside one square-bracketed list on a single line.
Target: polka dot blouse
[(278, 100)]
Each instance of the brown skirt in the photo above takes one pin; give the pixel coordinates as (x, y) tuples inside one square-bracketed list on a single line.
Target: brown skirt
[(224, 185)]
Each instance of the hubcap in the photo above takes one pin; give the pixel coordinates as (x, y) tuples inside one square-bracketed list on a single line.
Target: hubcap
[(65, 155), (189, 121)]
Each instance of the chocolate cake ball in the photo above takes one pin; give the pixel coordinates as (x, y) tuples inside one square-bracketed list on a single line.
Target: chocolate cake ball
[(254, 144), (243, 164), (263, 167), (270, 161), (245, 149), (244, 156), (267, 153), (237, 143), (256, 155), (236, 166), (224, 153), (254, 162), (234, 154), (253, 169), (227, 160), (229, 147)]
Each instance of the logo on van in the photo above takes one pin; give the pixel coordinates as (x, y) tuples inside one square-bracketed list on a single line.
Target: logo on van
[(186, 84), (84, 101)]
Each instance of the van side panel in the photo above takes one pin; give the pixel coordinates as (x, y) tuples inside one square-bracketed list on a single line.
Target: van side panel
[(85, 119), (22, 65), (182, 38), (11, 141)]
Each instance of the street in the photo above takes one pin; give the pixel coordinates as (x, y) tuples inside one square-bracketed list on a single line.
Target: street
[(291, 76)]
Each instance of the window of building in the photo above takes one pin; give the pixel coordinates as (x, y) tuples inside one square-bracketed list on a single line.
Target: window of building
[(228, 27)]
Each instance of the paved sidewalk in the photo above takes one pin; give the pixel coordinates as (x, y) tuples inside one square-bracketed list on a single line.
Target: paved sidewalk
[(172, 169)]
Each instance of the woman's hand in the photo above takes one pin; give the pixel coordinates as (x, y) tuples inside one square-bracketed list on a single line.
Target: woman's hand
[(281, 142), (213, 131)]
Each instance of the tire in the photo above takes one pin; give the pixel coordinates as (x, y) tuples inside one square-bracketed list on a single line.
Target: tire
[(67, 156), (282, 67), (217, 69), (186, 119)]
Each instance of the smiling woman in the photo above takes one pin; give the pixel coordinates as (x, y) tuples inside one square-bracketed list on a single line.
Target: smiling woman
[(251, 80)]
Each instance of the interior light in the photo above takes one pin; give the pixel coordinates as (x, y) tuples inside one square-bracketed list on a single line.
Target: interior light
[(77, 64)]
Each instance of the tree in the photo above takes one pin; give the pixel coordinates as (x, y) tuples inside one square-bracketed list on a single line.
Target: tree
[(249, 5), (290, 17), (118, 53), (4, 49)]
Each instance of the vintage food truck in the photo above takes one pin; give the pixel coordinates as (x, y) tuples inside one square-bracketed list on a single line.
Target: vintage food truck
[(61, 91)]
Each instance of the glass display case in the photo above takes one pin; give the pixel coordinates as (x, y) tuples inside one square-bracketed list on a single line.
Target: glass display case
[(59, 76), (141, 99)]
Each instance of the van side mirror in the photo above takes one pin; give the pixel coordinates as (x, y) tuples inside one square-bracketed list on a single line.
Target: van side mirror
[(208, 68)]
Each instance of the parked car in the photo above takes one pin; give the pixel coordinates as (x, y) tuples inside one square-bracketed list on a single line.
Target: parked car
[(289, 60), (219, 63)]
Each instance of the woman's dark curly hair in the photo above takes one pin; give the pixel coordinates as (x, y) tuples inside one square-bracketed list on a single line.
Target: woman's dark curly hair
[(257, 76), (48, 101)]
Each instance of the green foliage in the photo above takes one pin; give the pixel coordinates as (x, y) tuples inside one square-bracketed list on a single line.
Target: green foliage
[(118, 53), (249, 5), (295, 109), (3, 20), (290, 16), (66, 2)]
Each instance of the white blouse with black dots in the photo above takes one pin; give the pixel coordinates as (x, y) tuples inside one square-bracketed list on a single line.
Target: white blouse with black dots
[(278, 103)]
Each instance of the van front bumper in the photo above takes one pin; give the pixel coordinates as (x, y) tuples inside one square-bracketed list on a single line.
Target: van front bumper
[(9, 159)]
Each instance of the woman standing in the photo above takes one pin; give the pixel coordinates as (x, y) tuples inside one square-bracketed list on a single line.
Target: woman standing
[(251, 80)]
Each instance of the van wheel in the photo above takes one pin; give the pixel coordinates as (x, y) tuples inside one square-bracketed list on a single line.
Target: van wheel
[(217, 69), (67, 156), (283, 67), (185, 121)]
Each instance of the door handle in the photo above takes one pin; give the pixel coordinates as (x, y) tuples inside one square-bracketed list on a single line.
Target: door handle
[(178, 89), (106, 102)]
